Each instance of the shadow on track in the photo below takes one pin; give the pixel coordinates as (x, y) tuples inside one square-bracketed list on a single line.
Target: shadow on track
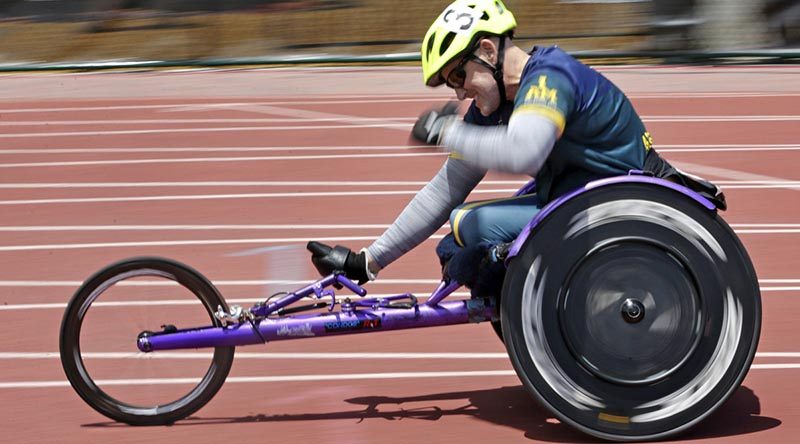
[(505, 406)]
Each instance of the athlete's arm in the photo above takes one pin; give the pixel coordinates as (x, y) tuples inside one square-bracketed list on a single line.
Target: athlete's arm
[(428, 211), (521, 147)]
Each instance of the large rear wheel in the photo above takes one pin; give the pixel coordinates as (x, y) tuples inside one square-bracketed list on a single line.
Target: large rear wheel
[(632, 312)]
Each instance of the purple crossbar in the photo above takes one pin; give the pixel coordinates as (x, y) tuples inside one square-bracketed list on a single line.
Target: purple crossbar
[(296, 327)]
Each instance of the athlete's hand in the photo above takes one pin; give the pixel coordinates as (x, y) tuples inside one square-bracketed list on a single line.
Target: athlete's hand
[(430, 126), (327, 260)]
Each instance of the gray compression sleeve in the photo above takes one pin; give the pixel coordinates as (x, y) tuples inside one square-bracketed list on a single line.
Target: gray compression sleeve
[(520, 148), (428, 211)]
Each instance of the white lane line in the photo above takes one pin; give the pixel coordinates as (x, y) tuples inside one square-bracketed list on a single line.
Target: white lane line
[(193, 227), (325, 117), (261, 282), (252, 379), (215, 184), (167, 302), (458, 295), (212, 149), (317, 183), (773, 366), (219, 159), (180, 107), (402, 126), (256, 355), (286, 240), (667, 148), (189, 242), (295, 195), (303, 115), (222, 283), (705, 170), (769, 231), (356, 119), (232, 196), (663, 148), (181, 302), (273, 355), (346, 100), (787, 185), (766, 228), (711, 95), (388, 124), (415, 152), (700, 118), (301, 378), (62, 305)]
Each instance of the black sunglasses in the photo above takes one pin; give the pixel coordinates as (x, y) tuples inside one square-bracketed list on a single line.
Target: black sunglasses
[(458, 75)]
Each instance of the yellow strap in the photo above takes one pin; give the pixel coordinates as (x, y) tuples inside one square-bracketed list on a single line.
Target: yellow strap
[(551, 113), (465, 209)]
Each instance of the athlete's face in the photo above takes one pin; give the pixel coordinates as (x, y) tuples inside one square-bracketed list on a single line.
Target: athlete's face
[(471, 78)]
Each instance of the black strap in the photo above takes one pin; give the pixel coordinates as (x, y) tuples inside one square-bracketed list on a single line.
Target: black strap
[(655, 164), (338, 257), (498, 71)]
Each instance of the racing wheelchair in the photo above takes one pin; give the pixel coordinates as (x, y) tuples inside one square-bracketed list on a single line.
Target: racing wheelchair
[(629, 309)]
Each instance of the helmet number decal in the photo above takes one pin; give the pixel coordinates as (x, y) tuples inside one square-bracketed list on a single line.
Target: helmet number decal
[(459, 19)]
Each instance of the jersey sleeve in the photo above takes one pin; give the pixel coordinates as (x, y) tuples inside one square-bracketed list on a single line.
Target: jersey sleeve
[(548, 93)]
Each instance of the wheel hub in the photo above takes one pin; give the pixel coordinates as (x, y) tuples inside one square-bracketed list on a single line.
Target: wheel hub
[(630, 313)]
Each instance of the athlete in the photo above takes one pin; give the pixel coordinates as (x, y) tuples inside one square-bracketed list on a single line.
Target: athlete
[(541, 113)]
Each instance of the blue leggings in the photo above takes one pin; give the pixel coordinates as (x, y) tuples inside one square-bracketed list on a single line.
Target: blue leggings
[(493, 221)]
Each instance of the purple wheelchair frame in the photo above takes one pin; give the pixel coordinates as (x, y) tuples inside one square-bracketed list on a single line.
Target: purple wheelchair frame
[(365, 315)]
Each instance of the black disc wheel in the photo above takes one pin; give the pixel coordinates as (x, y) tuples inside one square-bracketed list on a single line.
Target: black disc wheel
[(632, 312), (99, 335)]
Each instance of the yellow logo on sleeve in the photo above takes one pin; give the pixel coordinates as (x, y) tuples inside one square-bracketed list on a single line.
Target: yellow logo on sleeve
[(541, 93), (647, 140)]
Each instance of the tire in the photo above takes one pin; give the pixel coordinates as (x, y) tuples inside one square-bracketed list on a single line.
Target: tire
[(81, 379), (497, 326), (631, 312)]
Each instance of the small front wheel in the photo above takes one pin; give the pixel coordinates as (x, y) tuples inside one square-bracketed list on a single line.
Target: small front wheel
[(99, 334)]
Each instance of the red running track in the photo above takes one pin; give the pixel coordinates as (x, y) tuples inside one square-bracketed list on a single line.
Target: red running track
[(116, 165)]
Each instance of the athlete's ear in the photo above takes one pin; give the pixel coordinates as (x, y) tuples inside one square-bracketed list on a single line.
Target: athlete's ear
[(488, 50)]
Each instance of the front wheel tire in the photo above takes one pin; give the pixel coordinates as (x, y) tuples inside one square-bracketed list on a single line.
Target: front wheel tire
[(96, 291)]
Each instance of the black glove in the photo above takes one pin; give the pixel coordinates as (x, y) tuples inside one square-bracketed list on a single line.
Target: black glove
[(431, 124), (327, 260), (480, 267)]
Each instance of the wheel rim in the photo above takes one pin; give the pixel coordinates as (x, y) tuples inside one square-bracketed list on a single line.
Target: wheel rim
[(106, 394), (630, 312)]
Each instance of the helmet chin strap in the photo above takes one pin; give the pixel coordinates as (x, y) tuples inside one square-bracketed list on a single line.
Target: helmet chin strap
[(498, 72)]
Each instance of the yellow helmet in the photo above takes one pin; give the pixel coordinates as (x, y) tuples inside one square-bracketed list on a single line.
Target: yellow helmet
[(456, 30)]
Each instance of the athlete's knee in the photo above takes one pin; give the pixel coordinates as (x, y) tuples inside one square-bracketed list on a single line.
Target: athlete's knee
[(466, 225)]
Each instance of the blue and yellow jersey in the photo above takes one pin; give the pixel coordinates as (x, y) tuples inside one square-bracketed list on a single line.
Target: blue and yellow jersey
[(600, 133)]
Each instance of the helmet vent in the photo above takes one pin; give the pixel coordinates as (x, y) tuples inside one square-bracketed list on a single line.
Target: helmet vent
[(485, 16), (500, 8), (446, 41), (429, 47)]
